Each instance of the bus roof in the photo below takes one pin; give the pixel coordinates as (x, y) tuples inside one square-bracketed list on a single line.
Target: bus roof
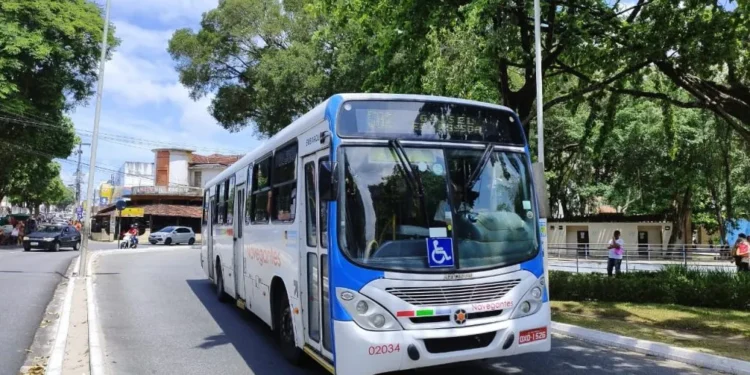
[(317, 114)]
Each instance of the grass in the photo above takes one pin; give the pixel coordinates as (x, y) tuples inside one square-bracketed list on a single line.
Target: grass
[(716, 331)]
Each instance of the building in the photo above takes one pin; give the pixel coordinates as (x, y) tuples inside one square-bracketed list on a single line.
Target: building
[(204, 168), (171, 195), (647, 233), (134, 173)]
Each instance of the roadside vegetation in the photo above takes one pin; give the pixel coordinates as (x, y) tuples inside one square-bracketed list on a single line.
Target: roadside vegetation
[(704, 310), (716, 331)]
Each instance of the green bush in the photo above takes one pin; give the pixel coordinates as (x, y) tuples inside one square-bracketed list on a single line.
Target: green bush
[(672, 285)]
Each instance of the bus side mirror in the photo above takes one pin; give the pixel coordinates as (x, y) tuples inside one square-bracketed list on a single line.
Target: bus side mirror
[(327, 181)]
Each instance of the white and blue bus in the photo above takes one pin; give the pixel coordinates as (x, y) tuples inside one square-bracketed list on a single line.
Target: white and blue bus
[(384, 232)]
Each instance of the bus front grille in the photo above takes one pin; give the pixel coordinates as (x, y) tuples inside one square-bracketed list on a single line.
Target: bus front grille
[(454, 294)]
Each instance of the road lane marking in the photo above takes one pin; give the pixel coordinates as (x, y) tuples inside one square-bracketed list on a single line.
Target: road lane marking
[(58, 352)]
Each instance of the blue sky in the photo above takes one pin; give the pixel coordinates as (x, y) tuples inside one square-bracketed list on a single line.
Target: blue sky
[(142, 96)]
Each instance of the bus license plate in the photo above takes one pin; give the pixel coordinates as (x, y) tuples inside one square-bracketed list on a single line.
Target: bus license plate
[(34, 244), (532, 335)]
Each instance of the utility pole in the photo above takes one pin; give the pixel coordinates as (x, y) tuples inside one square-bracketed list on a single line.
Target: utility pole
[(79, 177), (541, 182), (94, 139)]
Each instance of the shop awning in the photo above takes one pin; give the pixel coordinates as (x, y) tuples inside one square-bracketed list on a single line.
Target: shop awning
[(173, 210)]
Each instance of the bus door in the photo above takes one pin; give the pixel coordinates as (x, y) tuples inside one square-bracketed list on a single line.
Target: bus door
[(240, 269), (314, 261)]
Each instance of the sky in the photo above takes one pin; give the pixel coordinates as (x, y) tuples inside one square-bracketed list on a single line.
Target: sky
[(142, 96)]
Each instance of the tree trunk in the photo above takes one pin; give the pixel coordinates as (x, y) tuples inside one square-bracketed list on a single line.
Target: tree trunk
[(682, 218), (715, 201)]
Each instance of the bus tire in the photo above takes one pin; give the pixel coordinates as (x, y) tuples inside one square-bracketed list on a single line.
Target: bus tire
[(221, 294), (284, 326)]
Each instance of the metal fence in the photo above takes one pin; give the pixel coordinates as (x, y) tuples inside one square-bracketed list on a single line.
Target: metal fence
[(593, 257)]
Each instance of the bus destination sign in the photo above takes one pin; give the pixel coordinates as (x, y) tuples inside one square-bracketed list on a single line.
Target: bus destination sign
[(428, 121)]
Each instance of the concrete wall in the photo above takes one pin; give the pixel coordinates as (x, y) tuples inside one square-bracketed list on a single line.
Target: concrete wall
[(209, 174), (178, 167)]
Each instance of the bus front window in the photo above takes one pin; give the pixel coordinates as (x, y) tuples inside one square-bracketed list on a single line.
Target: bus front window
[(483, 200)]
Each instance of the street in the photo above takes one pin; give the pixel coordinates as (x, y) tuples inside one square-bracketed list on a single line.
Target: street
[(27, 283), (158, 314)]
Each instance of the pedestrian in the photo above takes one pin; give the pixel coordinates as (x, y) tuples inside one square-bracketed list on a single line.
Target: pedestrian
[(616, 249), (741, 253), (14, 234)]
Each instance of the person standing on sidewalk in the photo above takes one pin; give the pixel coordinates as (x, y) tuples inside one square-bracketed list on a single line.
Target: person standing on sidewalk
[(616, 249), (741, 253)]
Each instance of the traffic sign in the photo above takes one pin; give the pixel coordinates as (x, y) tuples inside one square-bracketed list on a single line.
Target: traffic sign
[(79, 210), (120, 204)]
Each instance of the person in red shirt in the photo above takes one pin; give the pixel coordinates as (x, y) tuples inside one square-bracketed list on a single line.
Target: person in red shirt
[(133, 233)]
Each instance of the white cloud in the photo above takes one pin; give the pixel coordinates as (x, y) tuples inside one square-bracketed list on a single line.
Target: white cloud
[(166, 11), (144, 99)]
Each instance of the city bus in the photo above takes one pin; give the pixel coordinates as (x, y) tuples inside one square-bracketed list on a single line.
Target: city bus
[(382, 232)]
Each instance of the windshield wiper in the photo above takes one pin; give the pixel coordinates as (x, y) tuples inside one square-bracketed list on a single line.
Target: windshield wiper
[(486, 156), (415, 184)]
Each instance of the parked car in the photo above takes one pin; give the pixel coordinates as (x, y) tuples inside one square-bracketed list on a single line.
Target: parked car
[(172, 235), (53, 237)]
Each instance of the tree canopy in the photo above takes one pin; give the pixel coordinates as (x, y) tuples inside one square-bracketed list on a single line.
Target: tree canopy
[(661, 82), (48, 65)]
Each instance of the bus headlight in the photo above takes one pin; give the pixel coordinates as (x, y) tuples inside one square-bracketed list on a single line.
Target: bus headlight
[(531, 302), (366, 313)]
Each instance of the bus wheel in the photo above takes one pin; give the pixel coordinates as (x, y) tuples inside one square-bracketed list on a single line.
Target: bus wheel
[(220, 293), (285, 331)]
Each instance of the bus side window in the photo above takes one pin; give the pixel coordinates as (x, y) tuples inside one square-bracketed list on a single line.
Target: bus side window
[(205, 207), (229, 202), (215, 209), (284, 183), (323, 214), (248, 197), (261, 199), (221, 202), (311, 207)]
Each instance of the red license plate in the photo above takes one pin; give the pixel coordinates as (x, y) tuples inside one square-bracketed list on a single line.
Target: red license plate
[(532, 335)]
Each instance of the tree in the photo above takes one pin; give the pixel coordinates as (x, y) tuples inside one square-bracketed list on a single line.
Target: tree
[(67, 198), (48, 64)]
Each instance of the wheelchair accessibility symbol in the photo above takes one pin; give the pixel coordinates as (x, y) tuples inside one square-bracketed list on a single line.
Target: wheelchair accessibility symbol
[(440, 252)]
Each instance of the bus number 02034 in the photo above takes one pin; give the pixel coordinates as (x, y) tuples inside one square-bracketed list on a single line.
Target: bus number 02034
[(383, 349)]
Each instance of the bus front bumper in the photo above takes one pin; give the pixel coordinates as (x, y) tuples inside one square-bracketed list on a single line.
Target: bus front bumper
[(362, 352)]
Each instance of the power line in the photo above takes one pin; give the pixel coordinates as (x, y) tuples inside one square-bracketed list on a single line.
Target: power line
[(111, 137)]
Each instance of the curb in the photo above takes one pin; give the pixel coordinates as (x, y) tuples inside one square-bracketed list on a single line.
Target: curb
[(692, 357), (54, 367), (96, 357)]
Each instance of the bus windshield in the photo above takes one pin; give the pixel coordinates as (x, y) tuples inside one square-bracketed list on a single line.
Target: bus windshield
[(394, 200)]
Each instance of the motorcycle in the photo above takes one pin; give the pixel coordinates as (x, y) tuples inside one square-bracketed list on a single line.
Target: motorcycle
[(128, 242)]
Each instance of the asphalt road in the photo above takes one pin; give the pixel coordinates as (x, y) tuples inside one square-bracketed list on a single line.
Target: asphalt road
[(27, 283), (158, 315)]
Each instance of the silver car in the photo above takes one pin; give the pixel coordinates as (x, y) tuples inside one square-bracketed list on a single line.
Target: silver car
[(172, 235)]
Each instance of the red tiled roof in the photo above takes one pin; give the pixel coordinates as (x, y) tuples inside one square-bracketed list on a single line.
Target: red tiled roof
[(172, 210), (214, 159)]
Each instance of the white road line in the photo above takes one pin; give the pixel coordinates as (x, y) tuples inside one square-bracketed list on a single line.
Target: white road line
[(54, 367), (96, 355)]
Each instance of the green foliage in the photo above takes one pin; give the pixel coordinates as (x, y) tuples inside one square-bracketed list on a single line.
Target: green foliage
[(642, 104), (672, 285), (49, 55)]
